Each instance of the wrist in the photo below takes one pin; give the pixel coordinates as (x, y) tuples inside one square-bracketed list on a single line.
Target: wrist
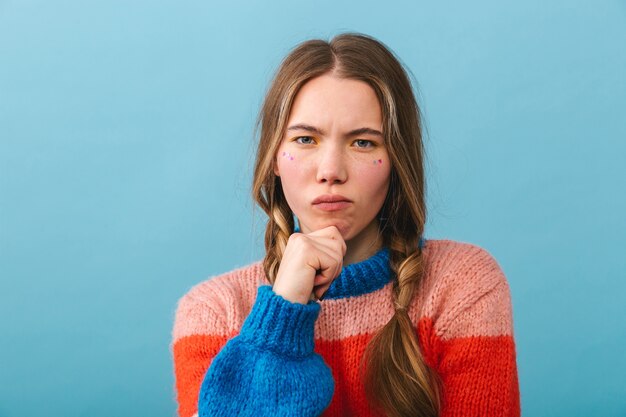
[(279, 325), (291, 294)]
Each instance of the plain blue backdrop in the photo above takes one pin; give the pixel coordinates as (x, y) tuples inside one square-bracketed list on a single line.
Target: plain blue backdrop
[(126, 140)]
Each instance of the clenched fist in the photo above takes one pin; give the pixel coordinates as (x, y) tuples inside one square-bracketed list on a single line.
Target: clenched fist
[(310, 264)]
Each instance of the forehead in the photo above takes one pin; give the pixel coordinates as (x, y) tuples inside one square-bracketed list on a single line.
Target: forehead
[(329, 101)]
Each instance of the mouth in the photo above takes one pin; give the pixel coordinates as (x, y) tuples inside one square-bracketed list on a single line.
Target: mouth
[(334, 206), (331, 198), (331, 202)]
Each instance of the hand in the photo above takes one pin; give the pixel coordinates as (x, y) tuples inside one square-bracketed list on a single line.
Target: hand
[(310, 264)]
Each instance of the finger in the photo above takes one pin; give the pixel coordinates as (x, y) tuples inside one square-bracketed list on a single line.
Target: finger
[(331, 232), (328, 265), (334, 264), (329, 252), (320, 291), (323, 256), (332, 245)]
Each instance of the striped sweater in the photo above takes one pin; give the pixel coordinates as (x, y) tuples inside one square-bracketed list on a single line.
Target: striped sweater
[(237, 345)]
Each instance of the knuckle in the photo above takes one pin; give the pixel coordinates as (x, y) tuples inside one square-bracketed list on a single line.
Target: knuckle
[(295, 238), (299, 242)]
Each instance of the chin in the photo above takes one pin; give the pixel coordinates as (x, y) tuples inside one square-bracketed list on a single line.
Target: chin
[(344, 227), (345, 230)]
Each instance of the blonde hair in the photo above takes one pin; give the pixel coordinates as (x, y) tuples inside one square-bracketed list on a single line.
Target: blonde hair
[(397, 380)]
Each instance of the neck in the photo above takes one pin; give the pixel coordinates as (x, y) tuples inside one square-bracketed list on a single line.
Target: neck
[(363, 245)]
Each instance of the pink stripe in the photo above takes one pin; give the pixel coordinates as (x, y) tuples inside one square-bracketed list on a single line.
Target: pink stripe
[(231, 295), (460, 293), (464, 292)]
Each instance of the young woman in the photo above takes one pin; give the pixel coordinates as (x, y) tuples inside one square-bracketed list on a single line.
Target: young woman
[(352, 312)]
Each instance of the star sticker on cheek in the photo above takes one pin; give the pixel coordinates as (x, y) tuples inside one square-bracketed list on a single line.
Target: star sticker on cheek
[(379, 161), (287, 155)]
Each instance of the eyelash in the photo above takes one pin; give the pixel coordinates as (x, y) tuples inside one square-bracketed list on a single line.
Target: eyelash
[(373, 144)]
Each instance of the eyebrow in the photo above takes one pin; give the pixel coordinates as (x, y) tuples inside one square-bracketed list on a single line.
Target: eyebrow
[(355, 132)]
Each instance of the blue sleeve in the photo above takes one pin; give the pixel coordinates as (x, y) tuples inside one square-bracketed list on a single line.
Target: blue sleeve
[(270, 368)]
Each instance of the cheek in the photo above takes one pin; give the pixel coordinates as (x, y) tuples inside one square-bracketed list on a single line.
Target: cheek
[(292, 176), (289, 166), (374, 172)]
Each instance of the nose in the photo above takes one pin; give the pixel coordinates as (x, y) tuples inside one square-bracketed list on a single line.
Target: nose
[(331, 166)]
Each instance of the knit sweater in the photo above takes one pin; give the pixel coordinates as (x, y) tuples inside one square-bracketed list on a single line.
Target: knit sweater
[(240, 349)]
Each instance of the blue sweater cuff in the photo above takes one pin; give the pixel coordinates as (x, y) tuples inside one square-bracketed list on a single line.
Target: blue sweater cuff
[(279, 325)]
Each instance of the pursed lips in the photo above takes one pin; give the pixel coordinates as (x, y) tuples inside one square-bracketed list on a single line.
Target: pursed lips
[(331, 203)]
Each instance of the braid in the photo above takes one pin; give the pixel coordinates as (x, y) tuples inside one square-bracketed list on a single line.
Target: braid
[(280, 226), (395, 362)]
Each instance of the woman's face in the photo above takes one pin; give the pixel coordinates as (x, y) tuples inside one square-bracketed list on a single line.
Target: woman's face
[(333, 146)]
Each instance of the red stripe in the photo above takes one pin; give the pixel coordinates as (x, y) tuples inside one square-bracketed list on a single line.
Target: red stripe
[(192, 357), (480, 376), (479, 373)]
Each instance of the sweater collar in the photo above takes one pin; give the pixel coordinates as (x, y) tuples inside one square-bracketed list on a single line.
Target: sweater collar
[(363, 277)]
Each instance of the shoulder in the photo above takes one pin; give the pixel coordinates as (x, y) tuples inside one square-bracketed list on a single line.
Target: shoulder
[(219, 304), (455, 260), (460, 279)]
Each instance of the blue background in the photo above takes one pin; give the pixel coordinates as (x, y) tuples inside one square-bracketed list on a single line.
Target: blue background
[(126, 153)]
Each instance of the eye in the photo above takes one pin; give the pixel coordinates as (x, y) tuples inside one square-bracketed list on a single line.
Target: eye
[(306, 138), (363, 141)]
